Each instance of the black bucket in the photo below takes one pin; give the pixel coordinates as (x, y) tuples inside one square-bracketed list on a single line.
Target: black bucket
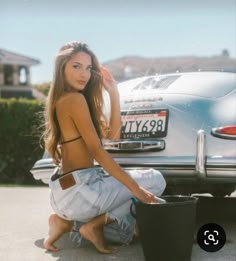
[(167, 230)]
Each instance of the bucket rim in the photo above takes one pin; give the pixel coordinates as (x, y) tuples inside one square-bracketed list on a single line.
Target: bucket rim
[(187, 200)]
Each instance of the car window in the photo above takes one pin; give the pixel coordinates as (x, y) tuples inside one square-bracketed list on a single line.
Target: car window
[(209, 85), (156, 82)]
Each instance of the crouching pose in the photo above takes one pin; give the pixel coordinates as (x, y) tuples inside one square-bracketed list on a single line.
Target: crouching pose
[(75, 125)]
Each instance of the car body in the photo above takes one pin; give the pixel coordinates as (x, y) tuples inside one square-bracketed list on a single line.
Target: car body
[(183, 124)]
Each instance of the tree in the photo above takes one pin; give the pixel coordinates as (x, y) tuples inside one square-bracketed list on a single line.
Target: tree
[(225, 53)]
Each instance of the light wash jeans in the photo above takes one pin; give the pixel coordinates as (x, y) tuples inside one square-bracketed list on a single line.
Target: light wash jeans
[(96, 193)]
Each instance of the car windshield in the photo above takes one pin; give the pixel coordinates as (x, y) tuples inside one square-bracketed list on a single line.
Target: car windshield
[(209, 85), (156, 82)]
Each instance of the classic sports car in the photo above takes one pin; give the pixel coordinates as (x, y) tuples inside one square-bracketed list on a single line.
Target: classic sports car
[(183, 124)]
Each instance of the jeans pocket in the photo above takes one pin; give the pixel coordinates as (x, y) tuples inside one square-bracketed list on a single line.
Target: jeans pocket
[(93, 187), (84, 206)]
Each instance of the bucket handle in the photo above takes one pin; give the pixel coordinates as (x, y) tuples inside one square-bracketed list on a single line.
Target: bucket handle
[(132, 206)]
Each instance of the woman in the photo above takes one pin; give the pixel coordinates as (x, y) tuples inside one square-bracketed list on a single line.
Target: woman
[(75, 125)]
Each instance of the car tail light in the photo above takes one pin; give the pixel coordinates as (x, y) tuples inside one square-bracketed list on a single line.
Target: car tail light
[(226, 132)]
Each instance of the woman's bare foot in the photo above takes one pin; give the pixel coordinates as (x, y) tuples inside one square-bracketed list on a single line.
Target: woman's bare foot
[(57, 227), (95, 235)]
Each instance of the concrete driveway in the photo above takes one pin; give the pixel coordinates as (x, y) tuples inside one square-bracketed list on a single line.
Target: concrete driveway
[(23, 225)]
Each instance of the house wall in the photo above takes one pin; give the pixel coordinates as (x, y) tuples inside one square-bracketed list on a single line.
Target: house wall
[(15, 81)]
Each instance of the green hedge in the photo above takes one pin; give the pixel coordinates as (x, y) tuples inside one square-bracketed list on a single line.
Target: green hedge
[(43, 87), (20, 121)]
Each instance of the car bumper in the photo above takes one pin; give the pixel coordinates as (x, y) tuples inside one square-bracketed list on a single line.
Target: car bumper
[(200, 168)]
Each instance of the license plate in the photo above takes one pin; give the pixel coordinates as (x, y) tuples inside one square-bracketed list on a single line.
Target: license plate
[(144, 124)]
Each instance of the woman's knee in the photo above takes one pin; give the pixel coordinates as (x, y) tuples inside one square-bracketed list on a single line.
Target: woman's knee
[(159, 183), (150, 179)]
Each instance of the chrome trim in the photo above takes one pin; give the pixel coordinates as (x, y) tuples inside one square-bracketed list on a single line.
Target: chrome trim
[(201, 154), (134, 146), (215, 133)]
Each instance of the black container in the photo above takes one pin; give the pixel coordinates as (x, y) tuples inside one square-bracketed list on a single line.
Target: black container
[(167, 230)]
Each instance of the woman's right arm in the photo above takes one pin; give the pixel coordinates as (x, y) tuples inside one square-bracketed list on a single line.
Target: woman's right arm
[(79, 112), (115, 117)]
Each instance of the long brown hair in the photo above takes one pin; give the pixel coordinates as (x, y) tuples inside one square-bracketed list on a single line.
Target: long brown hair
[(93, 94)]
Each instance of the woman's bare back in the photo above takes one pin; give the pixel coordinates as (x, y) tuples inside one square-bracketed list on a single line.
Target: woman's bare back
[(75, 154)]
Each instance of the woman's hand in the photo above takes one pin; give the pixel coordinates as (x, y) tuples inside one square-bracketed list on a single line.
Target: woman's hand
[(108, 80), (145, 196), (115, 118)]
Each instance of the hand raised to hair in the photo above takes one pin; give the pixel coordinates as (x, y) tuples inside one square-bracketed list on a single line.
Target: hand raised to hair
[(108, 80)]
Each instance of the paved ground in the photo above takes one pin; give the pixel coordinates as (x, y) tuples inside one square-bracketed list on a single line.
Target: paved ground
[(23, 225)]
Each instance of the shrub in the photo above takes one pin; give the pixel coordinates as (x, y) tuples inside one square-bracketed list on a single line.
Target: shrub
[(43, 87), (19, 139)]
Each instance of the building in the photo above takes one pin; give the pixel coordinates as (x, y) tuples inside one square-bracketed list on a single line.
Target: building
[(15, 75)]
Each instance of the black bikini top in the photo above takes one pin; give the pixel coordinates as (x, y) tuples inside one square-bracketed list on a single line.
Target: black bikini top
[(67, 141)]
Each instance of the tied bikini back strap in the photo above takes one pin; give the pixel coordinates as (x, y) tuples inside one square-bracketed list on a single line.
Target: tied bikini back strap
[(67, 141)]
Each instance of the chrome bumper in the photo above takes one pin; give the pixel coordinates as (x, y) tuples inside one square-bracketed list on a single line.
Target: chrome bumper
[(200, 166)]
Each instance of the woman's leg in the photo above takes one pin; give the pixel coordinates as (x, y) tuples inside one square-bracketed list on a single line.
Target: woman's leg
[(57, 227), (115, 199), (93, 231)]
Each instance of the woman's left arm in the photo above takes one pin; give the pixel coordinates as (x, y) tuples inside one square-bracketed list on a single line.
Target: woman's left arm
[(115, 117)]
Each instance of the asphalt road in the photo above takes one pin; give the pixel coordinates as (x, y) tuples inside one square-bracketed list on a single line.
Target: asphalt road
[(23, 225)]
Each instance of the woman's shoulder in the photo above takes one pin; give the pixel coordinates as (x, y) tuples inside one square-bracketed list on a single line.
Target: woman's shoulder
[(70, 99)]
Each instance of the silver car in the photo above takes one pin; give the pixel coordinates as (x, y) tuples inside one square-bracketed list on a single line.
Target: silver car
[(183, 124)]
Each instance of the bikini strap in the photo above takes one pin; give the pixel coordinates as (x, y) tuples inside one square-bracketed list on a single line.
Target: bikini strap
[(71, 140)]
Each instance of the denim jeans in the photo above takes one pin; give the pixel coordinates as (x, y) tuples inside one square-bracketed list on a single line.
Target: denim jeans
[(96, 193), (121, 233)]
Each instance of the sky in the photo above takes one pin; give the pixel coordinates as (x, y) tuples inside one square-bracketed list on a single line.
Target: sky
[(117, 28)]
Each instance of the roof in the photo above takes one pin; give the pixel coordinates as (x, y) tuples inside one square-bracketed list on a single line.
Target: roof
[(7, 57)]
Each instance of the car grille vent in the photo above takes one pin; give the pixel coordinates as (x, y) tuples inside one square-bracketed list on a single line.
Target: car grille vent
[(156, 83)]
